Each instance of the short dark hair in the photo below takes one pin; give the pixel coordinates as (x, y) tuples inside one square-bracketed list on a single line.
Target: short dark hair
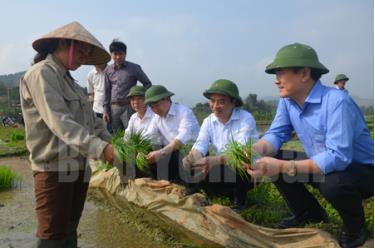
[(117, 46), (315, 74)]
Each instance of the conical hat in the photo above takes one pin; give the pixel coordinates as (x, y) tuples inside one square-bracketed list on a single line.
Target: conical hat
[(75, 31)]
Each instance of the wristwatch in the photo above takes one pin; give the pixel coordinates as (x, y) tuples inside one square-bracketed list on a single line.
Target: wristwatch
[(292, 169)]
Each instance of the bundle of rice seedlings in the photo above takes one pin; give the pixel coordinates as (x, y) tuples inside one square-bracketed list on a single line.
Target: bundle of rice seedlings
[(7, 178), (133, 150), (236, 153)]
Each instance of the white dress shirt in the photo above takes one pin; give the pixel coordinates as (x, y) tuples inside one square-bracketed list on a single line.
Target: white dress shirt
[(137, 124), (241, 127), (180, 123), (95, 84)]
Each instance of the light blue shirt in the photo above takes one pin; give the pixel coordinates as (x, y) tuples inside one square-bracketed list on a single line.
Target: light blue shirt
[(330, 126), (241, 127)]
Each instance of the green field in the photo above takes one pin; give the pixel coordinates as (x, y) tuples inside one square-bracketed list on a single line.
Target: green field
[(12, 141)]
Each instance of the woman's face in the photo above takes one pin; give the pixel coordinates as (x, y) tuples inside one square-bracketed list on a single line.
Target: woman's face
[(78, 56)]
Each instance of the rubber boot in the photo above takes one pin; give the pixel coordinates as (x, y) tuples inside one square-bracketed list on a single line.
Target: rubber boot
[(71, 240), (45, 243)]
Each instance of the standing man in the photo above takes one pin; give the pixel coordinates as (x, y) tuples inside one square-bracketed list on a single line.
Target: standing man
[(335, 137), (340, 82), (95, 88), (227, 121), (120, 77)]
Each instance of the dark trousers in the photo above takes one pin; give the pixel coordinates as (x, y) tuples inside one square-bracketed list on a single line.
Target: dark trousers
[(60, 199), (220, 180), (168, 168), (345, 190)]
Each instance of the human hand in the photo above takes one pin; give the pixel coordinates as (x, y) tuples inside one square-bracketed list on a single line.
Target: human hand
[(266, 166), (106, 117), (108, 153), (154, 156)]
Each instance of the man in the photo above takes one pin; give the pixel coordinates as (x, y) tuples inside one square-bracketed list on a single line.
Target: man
[(173, 126), (334, 136), (95, 88), (226, 122), (120, 77), (340, 82), (141, 119)]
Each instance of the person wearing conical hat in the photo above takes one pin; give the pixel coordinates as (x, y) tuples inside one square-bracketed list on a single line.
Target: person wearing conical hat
[(227, 122), (334, 136), (340, 82), (173, 126), (120, 77), (62, 131)]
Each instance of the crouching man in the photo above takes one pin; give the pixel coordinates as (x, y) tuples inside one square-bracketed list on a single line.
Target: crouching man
[(226, 122)]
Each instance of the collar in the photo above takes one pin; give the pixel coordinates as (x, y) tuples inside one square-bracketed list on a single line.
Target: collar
[(148, 113), (56, 64), (315, 95), (172, 110), (123, 65), (234, 116)]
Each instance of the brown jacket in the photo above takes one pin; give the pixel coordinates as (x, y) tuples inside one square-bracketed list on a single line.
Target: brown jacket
[(61, 127)]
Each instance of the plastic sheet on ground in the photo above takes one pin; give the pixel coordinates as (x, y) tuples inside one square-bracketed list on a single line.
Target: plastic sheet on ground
[(216, 223)]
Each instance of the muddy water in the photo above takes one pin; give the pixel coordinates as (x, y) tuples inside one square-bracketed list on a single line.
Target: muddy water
[(100, 226)]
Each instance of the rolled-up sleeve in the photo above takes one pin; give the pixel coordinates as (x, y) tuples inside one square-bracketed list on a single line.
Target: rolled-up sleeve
[(203, 140), (338, 152), (281, 128), (188, 128)]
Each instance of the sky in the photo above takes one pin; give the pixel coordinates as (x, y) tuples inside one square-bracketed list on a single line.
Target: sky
[(187, 45)]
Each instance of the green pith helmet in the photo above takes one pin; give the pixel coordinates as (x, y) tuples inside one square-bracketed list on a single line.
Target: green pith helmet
[(224, 87), (137, 91), (296, 55), (341, 77), (156, 93)]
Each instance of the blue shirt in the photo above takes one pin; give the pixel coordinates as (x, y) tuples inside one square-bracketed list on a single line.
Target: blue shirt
[(329, 125), (240, 127)]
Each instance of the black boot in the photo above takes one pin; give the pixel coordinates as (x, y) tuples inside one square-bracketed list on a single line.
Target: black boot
[(302, 219), (351, 240)]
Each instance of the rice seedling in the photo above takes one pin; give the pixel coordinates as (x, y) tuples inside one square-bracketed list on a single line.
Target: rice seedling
[(7, 178), (237, 153), (133, 149)]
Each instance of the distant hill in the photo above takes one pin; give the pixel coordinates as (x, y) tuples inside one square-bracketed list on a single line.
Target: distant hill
[(363, 101), (11, 80)]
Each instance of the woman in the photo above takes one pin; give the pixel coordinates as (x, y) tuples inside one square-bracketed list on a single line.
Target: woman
[(62, 131)]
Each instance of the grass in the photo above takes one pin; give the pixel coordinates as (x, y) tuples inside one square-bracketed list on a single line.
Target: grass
[(237, 153), (12, 141), (7, 178), (133, 150), (266, 207)]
